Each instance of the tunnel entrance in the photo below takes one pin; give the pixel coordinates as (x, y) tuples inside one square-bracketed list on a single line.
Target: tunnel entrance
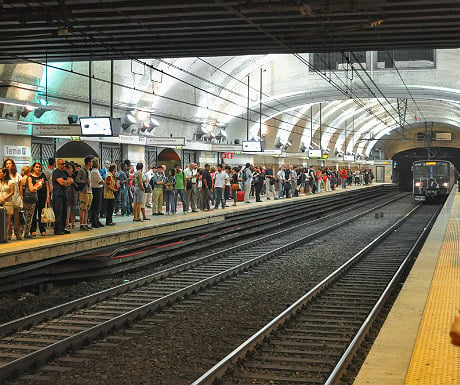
[(402, 162)]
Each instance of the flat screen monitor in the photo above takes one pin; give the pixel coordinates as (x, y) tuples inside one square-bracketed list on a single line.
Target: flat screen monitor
[(100, 126), (349, 158), (314, 154), (252, 146)]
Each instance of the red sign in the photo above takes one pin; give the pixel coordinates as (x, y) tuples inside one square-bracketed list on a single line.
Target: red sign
[(227, 155)]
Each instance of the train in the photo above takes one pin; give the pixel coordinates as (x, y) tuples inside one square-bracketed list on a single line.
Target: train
[(433, 179)]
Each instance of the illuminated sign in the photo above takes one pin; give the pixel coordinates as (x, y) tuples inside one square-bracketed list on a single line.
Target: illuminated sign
[(227, 155), (430, 163)]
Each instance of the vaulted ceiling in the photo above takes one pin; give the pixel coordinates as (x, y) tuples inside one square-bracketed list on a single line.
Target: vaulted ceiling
[(71, 30)]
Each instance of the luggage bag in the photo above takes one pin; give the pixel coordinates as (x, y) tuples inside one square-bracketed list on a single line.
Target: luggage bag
[(240, 196), (3, 225)]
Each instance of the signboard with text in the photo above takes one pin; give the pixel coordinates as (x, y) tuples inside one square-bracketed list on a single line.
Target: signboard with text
[(165, 142), (57, 130), (16, 152), (227, 155)]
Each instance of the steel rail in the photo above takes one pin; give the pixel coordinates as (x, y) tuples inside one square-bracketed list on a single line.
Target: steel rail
[(30, 273), (34, 318), (93, 332), (219, 369), (367, 324)]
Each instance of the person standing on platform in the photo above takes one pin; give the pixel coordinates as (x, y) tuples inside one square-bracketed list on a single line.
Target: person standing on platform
[(61, 181), (48, 171), (344, 177), (206, 184), (6, 192), (191, 192), (97, 184), (247, 182), (138, 194), (43, 198), (72, 197), (123, 192), (169, 192), (270, 183), (149, 191), (281, 177), (83, 180), (110, 186), (157, 182), (179, 188), (220, 180), (103, 172), (15, 179), (30, 198)]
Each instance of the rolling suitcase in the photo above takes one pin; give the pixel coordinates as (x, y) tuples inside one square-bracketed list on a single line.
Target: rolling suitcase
[(3, 225), (240, 196)]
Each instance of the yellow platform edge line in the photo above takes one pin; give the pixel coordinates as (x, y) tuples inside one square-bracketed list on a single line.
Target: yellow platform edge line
[(435, 360), (389, 358)]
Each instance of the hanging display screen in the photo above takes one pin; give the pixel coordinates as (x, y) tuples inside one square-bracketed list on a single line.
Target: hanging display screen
[(100, 126)]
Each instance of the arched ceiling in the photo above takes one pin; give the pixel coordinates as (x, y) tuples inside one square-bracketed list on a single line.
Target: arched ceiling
[(329, 110)]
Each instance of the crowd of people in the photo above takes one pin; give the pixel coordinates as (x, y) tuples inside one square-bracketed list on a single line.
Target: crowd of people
[(92, 193)]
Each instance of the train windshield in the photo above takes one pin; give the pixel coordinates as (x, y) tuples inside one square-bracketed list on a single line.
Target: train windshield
[(426, 170)]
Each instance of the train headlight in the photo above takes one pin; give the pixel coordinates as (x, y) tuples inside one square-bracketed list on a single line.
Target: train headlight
[(445, 184), (418, 184)]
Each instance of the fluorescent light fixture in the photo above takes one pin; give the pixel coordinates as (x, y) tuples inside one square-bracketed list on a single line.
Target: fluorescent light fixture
[(154, 122), (131, 118), (32, 105)]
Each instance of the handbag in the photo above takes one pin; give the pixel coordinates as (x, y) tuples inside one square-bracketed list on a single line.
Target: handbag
[(235, 186), (22, 218), (48, 215), (29, 196)]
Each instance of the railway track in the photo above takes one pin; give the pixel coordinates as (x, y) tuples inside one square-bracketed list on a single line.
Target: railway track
[(312, 341), (146, 252), (125, 303)]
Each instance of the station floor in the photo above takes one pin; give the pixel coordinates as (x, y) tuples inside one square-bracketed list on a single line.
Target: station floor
[(413, 346)]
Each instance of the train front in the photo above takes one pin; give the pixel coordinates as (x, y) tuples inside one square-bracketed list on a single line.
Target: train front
[(430, 180)]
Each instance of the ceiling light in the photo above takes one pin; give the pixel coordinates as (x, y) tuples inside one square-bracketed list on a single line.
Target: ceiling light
[(25, 111), (131, 118)]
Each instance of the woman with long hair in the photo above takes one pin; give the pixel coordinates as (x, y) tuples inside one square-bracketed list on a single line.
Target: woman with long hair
[(6, 192), (16, 199), (72, 200), (110, 187), (29, 198), (43, 196)]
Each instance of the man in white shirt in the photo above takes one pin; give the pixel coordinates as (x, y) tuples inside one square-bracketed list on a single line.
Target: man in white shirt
[(247, 182), (148, 194), (191, 191), (220, 179)]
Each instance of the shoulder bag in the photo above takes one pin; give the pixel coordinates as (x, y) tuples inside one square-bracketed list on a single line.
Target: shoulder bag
[(27, 195), (48, 214)]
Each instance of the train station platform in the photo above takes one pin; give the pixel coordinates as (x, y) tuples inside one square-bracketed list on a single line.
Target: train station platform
[(60, 247), (413, 346)]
